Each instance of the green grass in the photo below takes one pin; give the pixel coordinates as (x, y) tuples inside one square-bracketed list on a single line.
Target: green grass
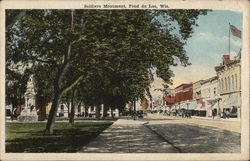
[(28, 137)]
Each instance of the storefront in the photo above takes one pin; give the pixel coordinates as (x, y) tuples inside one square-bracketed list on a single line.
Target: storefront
[(200, 111), (231, 105)]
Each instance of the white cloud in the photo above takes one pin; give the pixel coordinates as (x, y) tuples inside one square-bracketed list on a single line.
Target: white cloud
[(216, 39), (204, 35), (232, 41)]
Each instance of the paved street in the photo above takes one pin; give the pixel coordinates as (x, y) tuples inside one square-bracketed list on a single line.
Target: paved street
[(163, 134), (198, 135)]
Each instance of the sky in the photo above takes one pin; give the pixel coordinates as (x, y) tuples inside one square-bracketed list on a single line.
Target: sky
[(205, 48)]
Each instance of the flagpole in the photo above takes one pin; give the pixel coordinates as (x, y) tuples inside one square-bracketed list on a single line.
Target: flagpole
[(229, 41)]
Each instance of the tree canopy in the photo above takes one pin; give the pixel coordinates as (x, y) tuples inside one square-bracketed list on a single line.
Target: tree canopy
[(108, 54)]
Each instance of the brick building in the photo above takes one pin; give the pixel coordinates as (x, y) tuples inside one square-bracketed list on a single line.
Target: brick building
[(183, 92), (170, 100)]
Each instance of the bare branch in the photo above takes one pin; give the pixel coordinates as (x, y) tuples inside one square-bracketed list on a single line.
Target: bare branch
[(71, 85)]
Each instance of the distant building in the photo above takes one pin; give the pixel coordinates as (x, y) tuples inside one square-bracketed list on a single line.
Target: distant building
[(183, 92), (144, 105), (197, 90), (170, 97), (209, 94), (169, 100), (229, 76), (80, 111)]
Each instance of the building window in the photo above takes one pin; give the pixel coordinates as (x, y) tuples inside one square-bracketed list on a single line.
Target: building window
[(222, 85), (225, 84), (214, 90), (232, 82), (62, 107), (236, 81), (219, 85), (228, 79)]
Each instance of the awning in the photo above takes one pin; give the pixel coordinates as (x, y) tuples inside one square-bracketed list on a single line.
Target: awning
[(212, 101), (199, 108), (173, 108), (232, 100), (177, 107), (183, 106), (192, 105)]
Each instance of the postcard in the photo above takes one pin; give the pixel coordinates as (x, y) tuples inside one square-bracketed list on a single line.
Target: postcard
[(124, 80)]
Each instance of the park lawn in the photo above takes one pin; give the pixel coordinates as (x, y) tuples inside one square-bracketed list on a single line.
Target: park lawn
[(28, 137)]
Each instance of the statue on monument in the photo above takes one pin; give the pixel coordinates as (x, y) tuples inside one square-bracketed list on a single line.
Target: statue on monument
[(29, 113)]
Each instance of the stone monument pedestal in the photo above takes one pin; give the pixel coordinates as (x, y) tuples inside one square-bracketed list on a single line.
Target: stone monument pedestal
[(27, 116)]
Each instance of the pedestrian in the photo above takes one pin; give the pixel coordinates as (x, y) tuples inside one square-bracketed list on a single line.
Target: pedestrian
[(227, 114), (214, 114)]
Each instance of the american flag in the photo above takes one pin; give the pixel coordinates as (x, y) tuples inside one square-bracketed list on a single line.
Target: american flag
[(236, 32)]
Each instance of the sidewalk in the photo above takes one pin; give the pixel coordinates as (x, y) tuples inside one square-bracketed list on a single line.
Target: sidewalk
[(128, 136), (195, 117), (217, 119), (217, 124)]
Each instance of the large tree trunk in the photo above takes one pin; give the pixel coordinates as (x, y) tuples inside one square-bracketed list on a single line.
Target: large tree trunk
[(97, 112), (79, 110), (105, 111), (72, 113), (86, 111), (52, 115), (112, 114), (130, 109), (134, 110), (68, 106), (59, 90)]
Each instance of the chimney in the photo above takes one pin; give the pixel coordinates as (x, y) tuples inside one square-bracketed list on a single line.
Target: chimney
[(226, 59)]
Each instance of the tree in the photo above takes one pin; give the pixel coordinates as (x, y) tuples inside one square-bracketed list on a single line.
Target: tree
[(119, 47), (50, 44), (13, 16)]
